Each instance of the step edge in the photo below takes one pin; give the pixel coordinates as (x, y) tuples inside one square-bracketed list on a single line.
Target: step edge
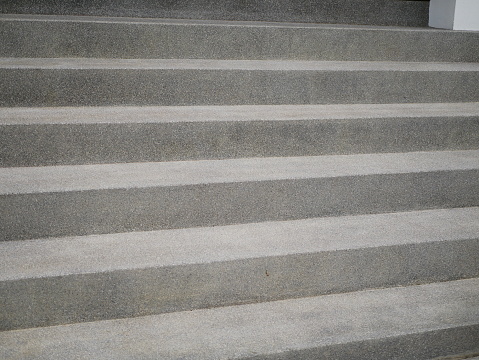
[(405, 229)]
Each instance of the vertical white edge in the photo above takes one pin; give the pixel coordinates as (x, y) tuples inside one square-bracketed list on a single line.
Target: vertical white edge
[(466, 16), (441, 13)]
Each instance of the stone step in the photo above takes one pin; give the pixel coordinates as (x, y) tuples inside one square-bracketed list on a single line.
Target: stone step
[(82, 135), (85, 199), (470, 355), (416, 322), (77, 279), (94, 37), (374, 12), (81, 82)]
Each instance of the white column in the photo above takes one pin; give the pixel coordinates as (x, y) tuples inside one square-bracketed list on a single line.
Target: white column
[(454, 14)]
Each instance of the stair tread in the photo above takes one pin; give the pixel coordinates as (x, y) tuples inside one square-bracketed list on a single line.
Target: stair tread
[(137, 250), (267, 328), (178, 173), (167, 114), (231, 23), (176, 38), (213, 64)]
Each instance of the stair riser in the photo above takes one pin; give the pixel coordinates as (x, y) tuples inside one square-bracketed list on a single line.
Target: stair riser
[(406, 347), (27, 216), (42, 87), (52, 39), (379, 12), (130, 293), (61, 144)]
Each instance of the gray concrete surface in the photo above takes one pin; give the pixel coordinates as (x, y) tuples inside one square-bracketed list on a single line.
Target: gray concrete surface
[(470, 355), (31, 180), (379, 12), (251, 65), (86, 199), (416, 322), (54, 36), (57, 281), (188, 114), (75, 82), (80, 279), (133, 134)]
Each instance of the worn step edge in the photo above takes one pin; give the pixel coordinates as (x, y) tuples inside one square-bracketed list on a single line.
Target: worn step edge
[(66, 280), (134, 134), (101, 82), (421, 322), (37, 36), (92, 199)]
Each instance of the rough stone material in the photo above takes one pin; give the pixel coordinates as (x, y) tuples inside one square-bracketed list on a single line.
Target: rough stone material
[(134, 134), (79, 200), (416, 322), (192, 251), (75, 82), (56, 281), (378, 12), (53, 36)]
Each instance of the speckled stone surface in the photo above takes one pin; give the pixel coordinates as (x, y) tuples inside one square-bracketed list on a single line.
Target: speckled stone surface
[(405, 323), (335, 173), (54, 36), (378, 12), (83, 82), (85, 199), (134, 134), (77, 279)]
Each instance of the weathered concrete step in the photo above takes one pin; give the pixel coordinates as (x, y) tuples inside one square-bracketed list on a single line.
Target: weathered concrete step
[(64, 136), (416, 322), (85, 199), (77, 279), (470, 355), (379, 12), (39, 36), (76, 82)]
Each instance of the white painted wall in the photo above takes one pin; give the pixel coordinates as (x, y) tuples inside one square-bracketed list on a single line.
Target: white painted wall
[(454, 14), (467, 15)]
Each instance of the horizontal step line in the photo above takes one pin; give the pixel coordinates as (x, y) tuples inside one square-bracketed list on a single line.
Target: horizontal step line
[(245, 65), (140, 175), (363, 318), (170, 114), (196, 22), (137, 250)]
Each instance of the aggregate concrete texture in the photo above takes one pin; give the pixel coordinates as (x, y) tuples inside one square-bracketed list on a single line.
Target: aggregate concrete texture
[(470, 355), (54, 36), (86, 199), (31, 180), (136, 134), (83, 82), (77, 279), (188, 114), (436, 319), (139, 250), (377, 12)]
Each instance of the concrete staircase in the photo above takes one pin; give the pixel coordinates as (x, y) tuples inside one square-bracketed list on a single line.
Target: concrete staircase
[(207, 189)]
